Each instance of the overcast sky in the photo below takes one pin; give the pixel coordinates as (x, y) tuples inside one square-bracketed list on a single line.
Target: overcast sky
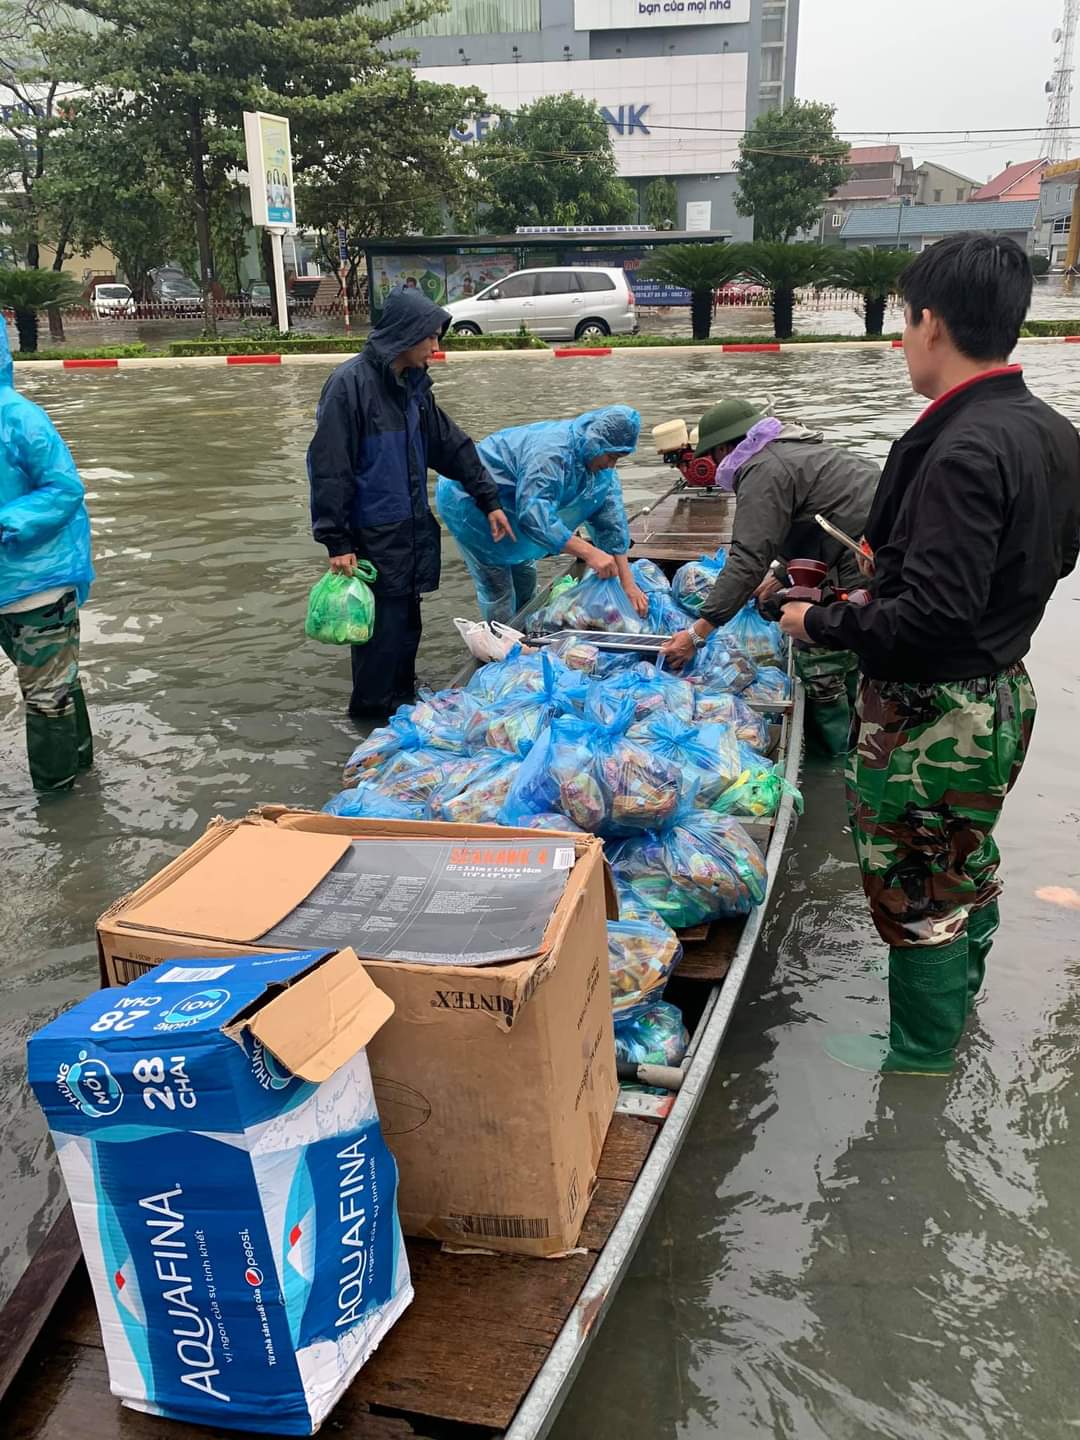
[(934, 65)]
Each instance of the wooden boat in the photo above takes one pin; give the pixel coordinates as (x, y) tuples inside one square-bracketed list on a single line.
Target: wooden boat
[(492, 1343)]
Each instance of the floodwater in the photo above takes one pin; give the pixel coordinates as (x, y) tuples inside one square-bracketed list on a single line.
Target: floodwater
[(837, 1255)]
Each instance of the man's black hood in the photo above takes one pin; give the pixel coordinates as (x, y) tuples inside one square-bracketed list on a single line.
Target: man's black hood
[(408, 317)]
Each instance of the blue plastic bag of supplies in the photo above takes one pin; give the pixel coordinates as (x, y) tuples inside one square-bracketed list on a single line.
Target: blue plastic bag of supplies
[(721, 707), (588, 770), (513, 723), (655, 1035), (517, 674), (641, 955), (388, 740), (755, 636), (650, 689), (365, 802), (447, 720), (692, 582), (594, 604), (413, 776), (579, 655), (771, 687), (548, 820), (709, 757), (650, 577), (479, 801), (716, 667), (666, 616), (703, 866)]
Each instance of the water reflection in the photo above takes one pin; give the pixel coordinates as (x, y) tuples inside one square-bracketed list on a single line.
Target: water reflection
[(836, 1256)]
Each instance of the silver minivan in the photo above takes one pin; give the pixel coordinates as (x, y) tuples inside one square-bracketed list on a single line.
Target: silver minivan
[(586, 302)]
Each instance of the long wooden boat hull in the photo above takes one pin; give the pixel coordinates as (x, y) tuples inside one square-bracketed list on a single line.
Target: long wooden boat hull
[(491, 1344)]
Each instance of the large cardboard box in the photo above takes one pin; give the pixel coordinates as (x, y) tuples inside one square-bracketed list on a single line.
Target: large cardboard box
[(217, 1131), (496, 1084)]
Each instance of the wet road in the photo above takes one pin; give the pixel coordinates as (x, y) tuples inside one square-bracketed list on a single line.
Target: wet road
[(837, 1256)]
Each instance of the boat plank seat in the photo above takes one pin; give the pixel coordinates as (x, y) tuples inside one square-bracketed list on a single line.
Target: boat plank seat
[(466, 1350), (708, 956), (684, 526)]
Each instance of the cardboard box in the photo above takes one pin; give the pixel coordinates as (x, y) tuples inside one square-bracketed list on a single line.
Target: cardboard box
[(496, 1084), (217, 1131)]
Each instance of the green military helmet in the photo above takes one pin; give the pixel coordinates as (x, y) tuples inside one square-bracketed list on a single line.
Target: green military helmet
[(730, 420)]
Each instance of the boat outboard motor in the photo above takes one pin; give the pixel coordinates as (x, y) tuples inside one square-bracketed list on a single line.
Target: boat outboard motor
[(676, 447)]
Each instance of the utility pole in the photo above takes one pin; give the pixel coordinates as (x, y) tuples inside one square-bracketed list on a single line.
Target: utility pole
[(1059, 86)]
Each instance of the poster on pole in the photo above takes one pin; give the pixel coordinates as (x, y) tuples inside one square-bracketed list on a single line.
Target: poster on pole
[(270, 169)]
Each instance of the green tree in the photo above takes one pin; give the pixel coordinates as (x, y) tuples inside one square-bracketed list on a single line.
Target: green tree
[(108, 186), (35, 102), (701, 269), (660, 204), (386, 177), (790, 162), (28, 291), (873, 274), (552, 163), (783, 269), (188, 72)]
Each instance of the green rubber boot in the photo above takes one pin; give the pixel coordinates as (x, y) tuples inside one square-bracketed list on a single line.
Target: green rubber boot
[(928, 1004), (83, 734), (828, 726), (52, 749), (982, 928)]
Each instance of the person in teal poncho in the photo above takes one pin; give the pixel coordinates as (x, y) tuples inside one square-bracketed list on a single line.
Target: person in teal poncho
[(553, 477), (45, 575)]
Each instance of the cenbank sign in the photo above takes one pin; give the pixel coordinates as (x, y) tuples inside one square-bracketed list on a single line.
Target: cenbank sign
[(669, 115)]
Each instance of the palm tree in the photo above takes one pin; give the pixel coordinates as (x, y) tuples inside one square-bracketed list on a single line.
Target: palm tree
[(873, 274), (701, 269), (28, 291), (783, 269)]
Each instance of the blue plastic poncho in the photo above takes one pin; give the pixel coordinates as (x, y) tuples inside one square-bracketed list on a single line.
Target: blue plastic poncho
[(44, 527), (546, 487)]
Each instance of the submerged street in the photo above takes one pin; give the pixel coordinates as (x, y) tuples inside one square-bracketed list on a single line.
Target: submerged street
[(836, 1255)]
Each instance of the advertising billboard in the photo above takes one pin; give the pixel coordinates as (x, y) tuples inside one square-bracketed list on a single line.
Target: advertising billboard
[(270, 169), (636, 14), (645, 292), (668, 115), (440, 277)]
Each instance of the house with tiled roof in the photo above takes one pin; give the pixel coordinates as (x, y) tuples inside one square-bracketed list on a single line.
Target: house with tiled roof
[(913, 227), (1016, 182), (879, 174)]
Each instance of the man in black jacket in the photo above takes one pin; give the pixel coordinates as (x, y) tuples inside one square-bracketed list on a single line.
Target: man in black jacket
[(377, 430), (976, 519)]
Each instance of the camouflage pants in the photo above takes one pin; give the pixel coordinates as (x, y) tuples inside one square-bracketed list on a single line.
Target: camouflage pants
[(927, 776), (830, 678), (43, 644)]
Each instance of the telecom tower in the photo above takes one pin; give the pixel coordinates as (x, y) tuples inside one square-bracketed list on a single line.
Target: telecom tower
[(1059, 87)]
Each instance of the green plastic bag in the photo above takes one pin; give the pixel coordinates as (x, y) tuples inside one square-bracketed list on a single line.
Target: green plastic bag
[(341, 608), (757, 793)]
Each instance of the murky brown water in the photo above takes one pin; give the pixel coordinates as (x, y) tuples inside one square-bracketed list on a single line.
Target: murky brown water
[(836, 1256)]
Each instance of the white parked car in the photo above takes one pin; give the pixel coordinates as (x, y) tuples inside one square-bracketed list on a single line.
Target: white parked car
[(112, 301), (582, 301)]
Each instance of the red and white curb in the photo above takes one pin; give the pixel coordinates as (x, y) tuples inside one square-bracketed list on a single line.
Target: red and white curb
[(569, 352)]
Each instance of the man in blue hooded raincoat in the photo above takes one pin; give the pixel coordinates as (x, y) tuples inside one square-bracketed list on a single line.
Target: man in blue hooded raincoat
[(553, 477), (45, 575), (377, 430)]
